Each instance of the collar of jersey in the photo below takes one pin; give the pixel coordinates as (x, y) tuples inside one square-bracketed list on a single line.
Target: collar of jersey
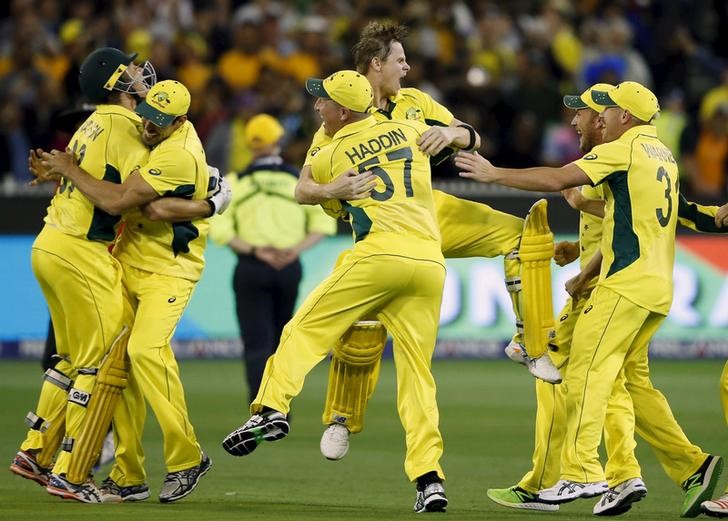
[(118, 109), (645, 130), (391, 104), (353, 128)]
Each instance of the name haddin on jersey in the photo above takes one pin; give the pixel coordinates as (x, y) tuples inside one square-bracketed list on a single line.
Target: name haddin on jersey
[(374, 146)]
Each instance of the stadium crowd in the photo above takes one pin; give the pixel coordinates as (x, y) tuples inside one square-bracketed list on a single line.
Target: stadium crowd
[(502, 65)]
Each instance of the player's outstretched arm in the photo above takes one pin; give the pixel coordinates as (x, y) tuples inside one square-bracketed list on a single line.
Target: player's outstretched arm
[(349, 186), (113, 198), (701, 218), (539, 179)]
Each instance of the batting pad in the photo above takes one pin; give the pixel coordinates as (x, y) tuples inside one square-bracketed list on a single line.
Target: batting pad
[(535, 252), (110, 381), (353, 374)]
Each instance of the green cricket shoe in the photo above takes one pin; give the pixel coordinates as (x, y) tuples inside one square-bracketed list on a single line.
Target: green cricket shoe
[(516, 497), (700, 486)]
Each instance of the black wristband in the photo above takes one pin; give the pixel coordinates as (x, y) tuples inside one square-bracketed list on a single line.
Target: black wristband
[(212, 207), (471, 131)]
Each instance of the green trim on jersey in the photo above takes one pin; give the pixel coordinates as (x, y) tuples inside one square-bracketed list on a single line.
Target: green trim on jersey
[(183, 233), (103, 225), (625, 243), (360, 221)]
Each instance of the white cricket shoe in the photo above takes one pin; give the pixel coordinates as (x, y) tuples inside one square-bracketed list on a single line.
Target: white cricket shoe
[(543, 368), (335, 441), (716, 507), (618, 500), (432, 498), (516, 352), (565, 491)]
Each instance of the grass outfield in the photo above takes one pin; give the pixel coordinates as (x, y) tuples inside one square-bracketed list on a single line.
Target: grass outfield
[(486, 418)]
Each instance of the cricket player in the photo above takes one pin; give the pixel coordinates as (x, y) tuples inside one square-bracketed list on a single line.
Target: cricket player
[(468, 229), (395, 272), (634, 290), (677, 455), (79, 278), (161, 264)]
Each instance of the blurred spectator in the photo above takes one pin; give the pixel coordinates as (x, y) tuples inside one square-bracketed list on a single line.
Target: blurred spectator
[(705, 156), (505, 63), (671, 124), (14, 143), (560, 142)]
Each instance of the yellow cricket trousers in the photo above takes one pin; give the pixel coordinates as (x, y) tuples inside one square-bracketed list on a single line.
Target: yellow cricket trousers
[(81, 283), (551, 417), (472, 229), (404, 291), (155, 304), (611, 333), (635, 401)]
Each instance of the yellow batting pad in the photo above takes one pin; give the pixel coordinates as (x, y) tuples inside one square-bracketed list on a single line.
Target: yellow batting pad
[(535, 252), (110, 381), (353, 374)]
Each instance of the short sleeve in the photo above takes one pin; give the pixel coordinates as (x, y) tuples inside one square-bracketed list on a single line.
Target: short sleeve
[(604, 160), (170, 172)]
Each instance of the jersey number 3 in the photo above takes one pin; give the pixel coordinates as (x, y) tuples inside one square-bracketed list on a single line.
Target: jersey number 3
[(394, 155), (662, 217)]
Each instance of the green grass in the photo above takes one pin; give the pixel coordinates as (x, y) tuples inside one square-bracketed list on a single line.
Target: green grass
[(487, 410)]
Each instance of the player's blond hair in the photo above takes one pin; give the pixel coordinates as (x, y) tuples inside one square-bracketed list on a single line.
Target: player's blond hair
[(376, 41)]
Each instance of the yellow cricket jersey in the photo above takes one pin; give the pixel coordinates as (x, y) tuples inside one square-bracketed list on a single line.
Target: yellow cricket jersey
[(590, 227), (408, 104), (401, 204), (264, 210), (639, 177), (108, 146), (176, 168)]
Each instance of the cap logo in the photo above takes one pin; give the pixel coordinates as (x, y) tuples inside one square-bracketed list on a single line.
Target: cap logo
[(590, 157), (161, 98)]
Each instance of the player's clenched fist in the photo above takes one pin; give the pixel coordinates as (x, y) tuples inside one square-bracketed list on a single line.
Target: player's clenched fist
[(433, 140), (566, 252)]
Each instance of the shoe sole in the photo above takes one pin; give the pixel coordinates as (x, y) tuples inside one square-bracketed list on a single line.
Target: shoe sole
[(248, 441), (541, 507), (713, 514), (193, 487), (23, 473), (569, 500), (713, 473), (131, 498), (438, 504), (65, 494), (631, 498)]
